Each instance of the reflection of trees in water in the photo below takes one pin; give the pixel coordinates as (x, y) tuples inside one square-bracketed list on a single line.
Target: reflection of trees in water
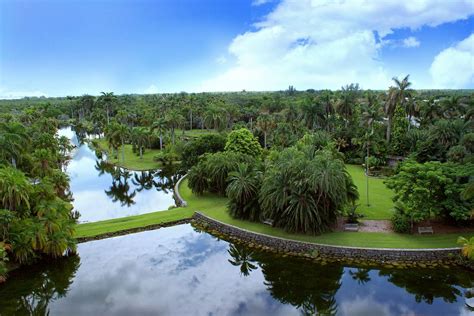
[(143, 180), (30, 290), (121, 191), (242, 257), (429, 284), (361, 275), (308, 286)]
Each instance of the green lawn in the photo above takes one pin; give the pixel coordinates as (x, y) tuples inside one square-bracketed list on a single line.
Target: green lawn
[(380, 197), (132, 161), (215, 207)]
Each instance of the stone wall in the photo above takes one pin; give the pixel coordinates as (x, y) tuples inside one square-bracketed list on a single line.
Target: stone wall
[(382, 255), (177, 197)]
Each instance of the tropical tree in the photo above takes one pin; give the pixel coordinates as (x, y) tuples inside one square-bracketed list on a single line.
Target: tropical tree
[(467, 247), (140, 137), (15, 190), (174, 119), (14, 141), (160, 126), (242, 191), (265, 123), (243, 141), (108, 99), (396, 97)]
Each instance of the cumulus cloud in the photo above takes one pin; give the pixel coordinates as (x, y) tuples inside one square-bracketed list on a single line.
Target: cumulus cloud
[(326, 43), (257, 3), (454, 66), (411, 42)]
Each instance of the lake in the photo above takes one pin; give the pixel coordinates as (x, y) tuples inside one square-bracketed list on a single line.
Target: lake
[(182, 271)]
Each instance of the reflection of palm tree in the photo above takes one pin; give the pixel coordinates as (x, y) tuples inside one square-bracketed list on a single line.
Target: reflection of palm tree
[(307, 286), (143, 180), (361, 275), (242, 257), (104, 166), (166, 178), (119, 191)]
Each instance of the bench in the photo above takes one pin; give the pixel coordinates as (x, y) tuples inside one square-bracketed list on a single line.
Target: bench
[(268, 222), (425, 230), (351, 227)]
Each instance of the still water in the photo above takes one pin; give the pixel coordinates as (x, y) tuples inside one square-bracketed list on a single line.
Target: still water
[(181, 271), (102, 191)]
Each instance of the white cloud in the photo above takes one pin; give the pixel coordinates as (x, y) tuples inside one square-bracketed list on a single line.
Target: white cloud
[(411, 42), (454, 66), (257, 3), (221, 60), (152, 89), (326, 43), (10, 94)]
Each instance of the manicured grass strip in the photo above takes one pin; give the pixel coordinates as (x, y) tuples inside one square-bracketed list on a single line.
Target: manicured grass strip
[(132, 161), (380, 197), (215, 207), (131, 222)]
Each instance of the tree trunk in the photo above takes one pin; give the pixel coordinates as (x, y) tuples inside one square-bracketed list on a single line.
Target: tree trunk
[(191, 120), (123, 152), (14, 162), (108, 118), (264, 139), (389, 129), (367, 171), (141, 153), (172, 135), (161, 140)]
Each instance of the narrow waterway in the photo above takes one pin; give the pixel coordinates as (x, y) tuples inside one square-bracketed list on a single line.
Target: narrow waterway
[(102, 191)]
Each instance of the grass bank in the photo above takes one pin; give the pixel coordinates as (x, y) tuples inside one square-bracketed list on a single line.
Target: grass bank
[(132, 161), (215, 207)]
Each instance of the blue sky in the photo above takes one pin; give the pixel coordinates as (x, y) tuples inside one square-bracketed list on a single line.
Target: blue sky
[(59, 48)]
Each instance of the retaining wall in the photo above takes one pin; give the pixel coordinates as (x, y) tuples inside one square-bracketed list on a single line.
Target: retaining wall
[(177, 197), (342, 252)]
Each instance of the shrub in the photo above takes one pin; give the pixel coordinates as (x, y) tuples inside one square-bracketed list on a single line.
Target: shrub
[(210, 143), (457, 153), (242, 191), (401, 222), (242, 141)]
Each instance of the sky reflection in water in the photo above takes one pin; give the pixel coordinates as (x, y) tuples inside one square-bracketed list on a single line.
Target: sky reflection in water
[(102, 191), (179, 271)]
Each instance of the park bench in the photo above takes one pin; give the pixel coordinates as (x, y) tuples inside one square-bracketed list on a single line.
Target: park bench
[(351, 227), (268, 222), (425, 230)]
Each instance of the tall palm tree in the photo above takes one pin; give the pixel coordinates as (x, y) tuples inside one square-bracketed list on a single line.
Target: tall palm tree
[(108, 99), (174, 119), (160, 125), (140, 137), (346, 103), (265, 123), (396, 97), (214, 117)]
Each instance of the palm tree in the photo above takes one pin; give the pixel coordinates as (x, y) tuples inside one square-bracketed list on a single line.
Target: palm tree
[(345, 105), (174, 119), (160, 125), (44, 159), (214, 117), (14, 140), (122, 133), (371, 113), (140, 138), (15, 190), (452, 107), (108, 99), (396, 96), (265, 123), (242, 191)]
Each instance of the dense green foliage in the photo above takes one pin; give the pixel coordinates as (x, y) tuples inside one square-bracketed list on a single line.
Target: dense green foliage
[(210, 143), (35, 210), (242, 141), (433, 189)]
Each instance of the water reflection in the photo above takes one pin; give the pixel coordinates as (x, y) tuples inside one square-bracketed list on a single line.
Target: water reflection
[(103, 191), (180, 271)]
